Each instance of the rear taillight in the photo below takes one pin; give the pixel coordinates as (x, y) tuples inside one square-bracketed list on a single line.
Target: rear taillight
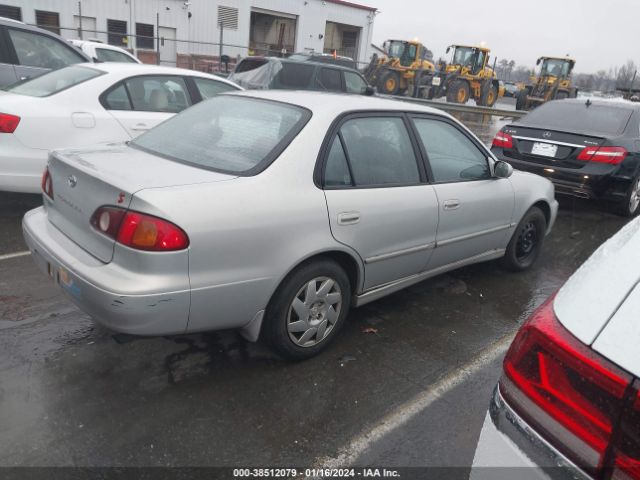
[(8, 123), (612, 155), (47, 185), (502, 140), (139, 231), (626, 450), (570, 394)]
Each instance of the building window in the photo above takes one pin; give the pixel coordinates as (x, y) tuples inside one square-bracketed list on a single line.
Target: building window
[(144, 36), (228, 17), (117, 33), (7, 11), (48, 20)]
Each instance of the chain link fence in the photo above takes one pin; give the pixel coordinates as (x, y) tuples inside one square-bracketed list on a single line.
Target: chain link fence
[(210, 57)]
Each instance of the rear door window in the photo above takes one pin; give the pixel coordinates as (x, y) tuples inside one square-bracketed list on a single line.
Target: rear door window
[(570, 116), (36, 50), (294, 76), (378, 151), (158, 93), (117, 99)]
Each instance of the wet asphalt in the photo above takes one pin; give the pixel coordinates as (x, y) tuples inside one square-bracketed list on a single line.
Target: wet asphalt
[(75, 394)]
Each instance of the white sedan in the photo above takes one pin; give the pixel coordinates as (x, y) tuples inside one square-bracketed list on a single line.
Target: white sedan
[(101, 52), (87, 104)]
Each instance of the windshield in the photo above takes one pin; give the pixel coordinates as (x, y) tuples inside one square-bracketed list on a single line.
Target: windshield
[(463, 56), (577, 117), (226, 133), (557, 68), (54, 82), (405, 51)]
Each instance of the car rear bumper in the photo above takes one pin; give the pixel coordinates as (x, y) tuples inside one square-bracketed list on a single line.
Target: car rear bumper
[(586, 182), (77, 273), (509, 448)]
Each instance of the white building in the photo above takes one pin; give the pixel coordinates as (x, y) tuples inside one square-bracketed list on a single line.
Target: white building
[(191, 29)]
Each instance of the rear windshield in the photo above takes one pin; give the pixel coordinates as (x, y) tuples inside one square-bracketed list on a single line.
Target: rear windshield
[(53, 82), (227, 133), (580, 118), (249, 64), (107, 55)]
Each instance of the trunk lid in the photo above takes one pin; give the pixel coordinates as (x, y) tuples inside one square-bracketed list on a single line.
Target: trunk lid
[(86, 179), (548, 147), (590, 301)]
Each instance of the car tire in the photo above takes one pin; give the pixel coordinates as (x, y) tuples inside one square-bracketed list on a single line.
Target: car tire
[(297, 314), (526, 242), (389, 83), (458, 92), (521, 99), (630, 206)]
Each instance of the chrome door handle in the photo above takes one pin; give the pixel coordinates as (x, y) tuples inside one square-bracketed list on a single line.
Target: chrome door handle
[(348, 218), (451, 204), (140, 127)]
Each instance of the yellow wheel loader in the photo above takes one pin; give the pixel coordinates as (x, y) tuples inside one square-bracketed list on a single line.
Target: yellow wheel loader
[(395, 72), (466, 76), (552, 83)]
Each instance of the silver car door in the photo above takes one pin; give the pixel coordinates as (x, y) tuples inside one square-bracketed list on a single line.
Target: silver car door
[(476, 209), (378, 200)]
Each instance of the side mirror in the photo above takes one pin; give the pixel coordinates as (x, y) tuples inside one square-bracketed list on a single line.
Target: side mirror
[(369, 90), (538, 61), (502, 169), (448, 49)]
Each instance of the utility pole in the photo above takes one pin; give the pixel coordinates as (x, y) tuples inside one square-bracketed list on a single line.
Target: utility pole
[(157, 38), (80, 19), (221, 39)]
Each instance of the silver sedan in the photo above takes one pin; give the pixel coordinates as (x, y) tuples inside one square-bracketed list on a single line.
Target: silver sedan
[(276, 212)]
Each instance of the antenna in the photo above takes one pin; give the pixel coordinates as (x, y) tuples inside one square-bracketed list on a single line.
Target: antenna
[(588, 103)]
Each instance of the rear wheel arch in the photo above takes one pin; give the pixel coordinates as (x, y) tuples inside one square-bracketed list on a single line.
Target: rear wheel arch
[(352, 267)]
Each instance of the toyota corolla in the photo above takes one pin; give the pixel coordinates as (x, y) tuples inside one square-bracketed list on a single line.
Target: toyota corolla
[(275, 212)]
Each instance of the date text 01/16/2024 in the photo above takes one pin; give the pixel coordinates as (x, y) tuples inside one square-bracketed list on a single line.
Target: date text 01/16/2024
[(315, 473)]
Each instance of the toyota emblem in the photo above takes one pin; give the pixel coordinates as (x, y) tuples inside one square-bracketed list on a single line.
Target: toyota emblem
[(546, 134), (72, 181)]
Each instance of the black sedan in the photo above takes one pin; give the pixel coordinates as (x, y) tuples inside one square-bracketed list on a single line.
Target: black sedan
[(587, 148)]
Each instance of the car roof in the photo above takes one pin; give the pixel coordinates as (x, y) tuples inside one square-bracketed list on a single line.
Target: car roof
[(11, 21), (610, 102), (302, 62), (144, 68), (336, 103)]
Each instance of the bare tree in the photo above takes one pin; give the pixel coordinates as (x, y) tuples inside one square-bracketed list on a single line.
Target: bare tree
[(625, 74)]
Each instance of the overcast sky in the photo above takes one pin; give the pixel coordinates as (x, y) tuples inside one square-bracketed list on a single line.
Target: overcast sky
[(598, 33)]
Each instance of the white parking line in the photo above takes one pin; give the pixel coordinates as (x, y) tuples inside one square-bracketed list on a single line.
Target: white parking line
[(349, 453), (14, 255)]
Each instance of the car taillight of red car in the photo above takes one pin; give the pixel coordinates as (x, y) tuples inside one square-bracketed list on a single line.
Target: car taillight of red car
[(584, 405)]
